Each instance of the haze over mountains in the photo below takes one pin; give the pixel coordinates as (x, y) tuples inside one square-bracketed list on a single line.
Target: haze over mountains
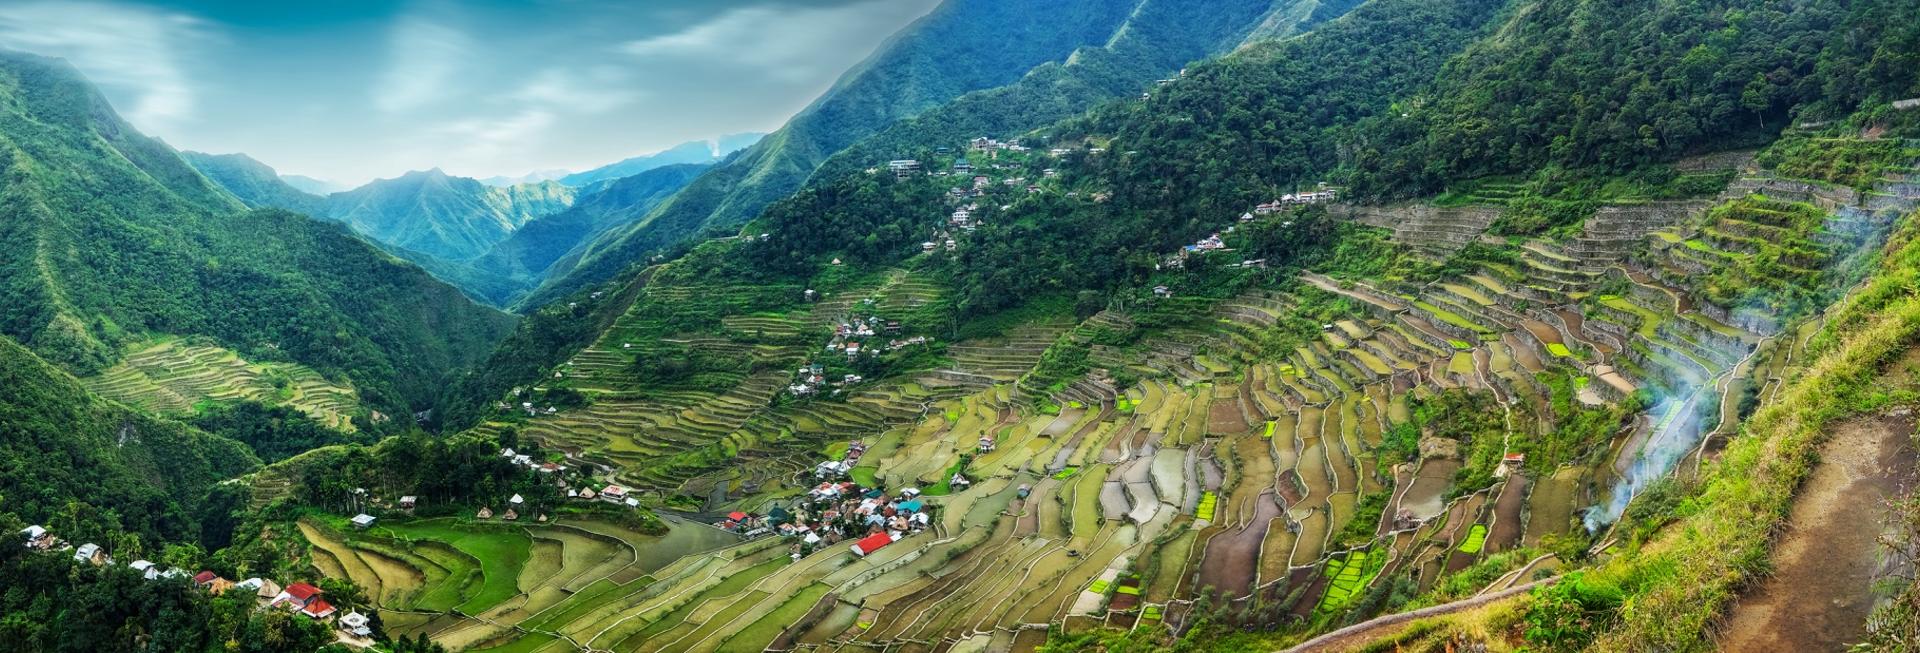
[(446, 223)]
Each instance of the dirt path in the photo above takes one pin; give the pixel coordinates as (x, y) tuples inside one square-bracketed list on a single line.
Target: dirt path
[(1360, 634), (1820, 593)]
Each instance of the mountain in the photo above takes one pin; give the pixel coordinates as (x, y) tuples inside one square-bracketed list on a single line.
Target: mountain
[(453, 218), (311, 185), (689, 152), (254, 183), (515, 265), (114, 240), (534, 177), (1158, 39), (961, 46)]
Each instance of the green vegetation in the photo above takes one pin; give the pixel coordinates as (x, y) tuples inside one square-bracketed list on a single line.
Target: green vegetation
[(1847, 162), (1475, 539), (916, 71), (56, 605), (1672, 77), (92, 470), (1682, 582), (274, 432), (149, 247)]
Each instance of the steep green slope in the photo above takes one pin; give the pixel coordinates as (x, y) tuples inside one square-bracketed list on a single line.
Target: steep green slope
[(1159, 38), (60, 444), (113, 238), (447, 217), (515, 265), (962, 46), (256, 184), (1235, 132)]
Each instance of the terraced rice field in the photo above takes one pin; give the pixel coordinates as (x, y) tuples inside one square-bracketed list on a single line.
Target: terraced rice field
[(1226, 465), (174, 376)]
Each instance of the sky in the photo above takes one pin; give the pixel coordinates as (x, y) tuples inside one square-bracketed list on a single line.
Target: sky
[(350, 90)]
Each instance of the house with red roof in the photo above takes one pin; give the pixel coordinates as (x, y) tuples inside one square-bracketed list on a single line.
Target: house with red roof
[(296, 596), (871, 543), (318, 608)]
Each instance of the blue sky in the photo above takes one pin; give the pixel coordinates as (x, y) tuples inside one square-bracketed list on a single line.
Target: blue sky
[(351, 90)]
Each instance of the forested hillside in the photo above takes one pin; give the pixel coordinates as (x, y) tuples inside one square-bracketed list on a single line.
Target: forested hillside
[(962, 46), (115, 240), (447, 217), (255, 183), (1612, 86), (1156, 41)]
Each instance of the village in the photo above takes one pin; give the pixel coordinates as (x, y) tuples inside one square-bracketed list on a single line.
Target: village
[(839, 509), (300, 598)]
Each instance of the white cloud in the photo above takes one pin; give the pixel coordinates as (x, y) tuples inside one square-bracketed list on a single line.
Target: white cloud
[(795, 45), (136, 50), (484, 138), (425, 57), (595, 90)]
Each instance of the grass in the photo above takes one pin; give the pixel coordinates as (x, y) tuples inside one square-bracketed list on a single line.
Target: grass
[(761, 633), (1349, 575), (1476, 540), (1066, 473), (865, 475), (1267, 433), (1558, 350), (501, 553), (1208, 501)]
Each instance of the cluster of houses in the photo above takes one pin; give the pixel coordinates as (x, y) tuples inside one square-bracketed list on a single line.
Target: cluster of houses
[(838, 510), (1323, 195), (992, 145), (810, 379), (301, 598)]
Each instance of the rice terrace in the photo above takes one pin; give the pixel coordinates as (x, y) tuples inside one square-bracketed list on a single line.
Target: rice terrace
[(960, 326)]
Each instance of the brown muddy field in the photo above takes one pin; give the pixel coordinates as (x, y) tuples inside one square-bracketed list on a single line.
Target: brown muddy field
[(1825, 564), (1233, 557)]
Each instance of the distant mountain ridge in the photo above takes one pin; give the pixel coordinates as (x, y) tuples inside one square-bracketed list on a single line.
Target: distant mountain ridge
[(701, 152), (448, 217)]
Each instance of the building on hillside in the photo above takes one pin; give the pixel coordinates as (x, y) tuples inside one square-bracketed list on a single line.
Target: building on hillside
[(147, 569), (363, 521), (317, 609), (408, 502), (903, 167), (871, 543), (91, 553), (267, 591), (510, 515), (355, 624), (303, 598), (613, 494), (206, 580), (484, 513)]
